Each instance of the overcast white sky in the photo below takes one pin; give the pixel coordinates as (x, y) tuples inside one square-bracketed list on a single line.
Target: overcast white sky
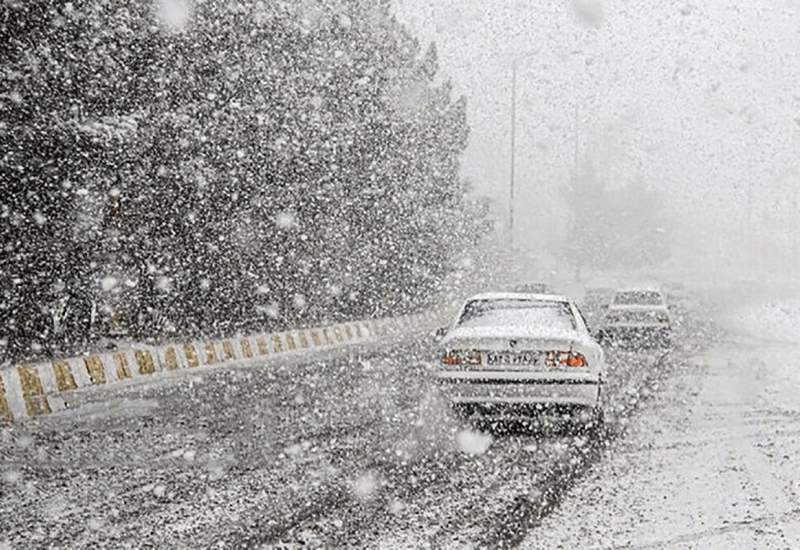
[(700, 98)]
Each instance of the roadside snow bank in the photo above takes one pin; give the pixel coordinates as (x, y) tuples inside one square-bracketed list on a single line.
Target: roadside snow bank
[(777, 320), (765, 335)]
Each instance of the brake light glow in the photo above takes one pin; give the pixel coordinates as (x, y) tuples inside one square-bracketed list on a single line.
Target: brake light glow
[(450, 359), (461, 357), (571, 359)]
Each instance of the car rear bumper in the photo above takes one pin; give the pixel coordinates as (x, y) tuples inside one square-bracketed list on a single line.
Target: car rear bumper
[(520, 388)]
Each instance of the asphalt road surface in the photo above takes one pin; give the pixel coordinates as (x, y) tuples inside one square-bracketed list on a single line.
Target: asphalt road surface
[(354, 451)]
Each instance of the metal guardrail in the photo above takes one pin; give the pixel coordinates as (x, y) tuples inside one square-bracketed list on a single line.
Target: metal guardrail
[(32, 390)]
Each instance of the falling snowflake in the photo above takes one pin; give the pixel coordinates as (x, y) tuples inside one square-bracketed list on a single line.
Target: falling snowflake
[(396, 506), (299, 301), (365, 486), (272, 311), (472, 442), (334, 290), (108, 282), (164, 284), (286, 219), (173, 14), (293, 450), (12, 476)]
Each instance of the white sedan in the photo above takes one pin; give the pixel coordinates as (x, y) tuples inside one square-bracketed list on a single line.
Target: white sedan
[(512, 355), (638, 317)]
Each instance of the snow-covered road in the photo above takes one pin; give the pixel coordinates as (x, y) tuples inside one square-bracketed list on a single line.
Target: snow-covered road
[(349, 452), (714, 461)]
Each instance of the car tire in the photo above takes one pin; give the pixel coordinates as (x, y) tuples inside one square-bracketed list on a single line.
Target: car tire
[(598, 416), (589, 421), (595, 421)]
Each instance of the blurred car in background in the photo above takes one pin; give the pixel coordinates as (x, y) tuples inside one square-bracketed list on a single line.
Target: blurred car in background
[(533, 288), (512, 356), (637, 317)]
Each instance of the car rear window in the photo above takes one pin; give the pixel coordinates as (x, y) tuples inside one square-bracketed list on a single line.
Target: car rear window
[(638, 297), (521, 313)]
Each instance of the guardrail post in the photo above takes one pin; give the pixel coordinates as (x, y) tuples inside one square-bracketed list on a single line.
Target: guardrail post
[(32, 392), (5, 409)]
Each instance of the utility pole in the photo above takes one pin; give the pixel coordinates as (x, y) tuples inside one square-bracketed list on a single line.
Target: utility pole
[(576, 144), (513, 151), (794, 182)]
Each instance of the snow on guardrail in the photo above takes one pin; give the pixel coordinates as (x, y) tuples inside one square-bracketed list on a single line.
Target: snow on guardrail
[(31, 390)]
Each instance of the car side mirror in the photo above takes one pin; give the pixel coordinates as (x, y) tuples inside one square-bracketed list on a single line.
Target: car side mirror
[(439, 334)]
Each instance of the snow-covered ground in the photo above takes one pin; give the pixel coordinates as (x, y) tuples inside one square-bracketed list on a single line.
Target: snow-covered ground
[(713, 462), (335, 453)]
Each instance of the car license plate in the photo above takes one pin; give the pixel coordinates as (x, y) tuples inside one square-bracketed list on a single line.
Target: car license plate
[(516, 359)]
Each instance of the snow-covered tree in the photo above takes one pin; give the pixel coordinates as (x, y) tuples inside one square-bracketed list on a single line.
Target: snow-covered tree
[(233, 164)]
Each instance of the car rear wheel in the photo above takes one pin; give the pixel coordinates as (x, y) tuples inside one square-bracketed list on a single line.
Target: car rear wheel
[(598, 416), (585, 420)]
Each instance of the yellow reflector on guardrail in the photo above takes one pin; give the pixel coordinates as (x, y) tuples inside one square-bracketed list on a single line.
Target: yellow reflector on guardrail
[(122, 368), (211, 354), (263, 346), (95, 368), (191, 356), (171, 359), (5, 410), (32, 392), (247, 350), (145, 362), (227, 349), (63, 375)]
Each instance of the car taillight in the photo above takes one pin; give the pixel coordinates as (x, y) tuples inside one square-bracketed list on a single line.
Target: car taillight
[(461, 357), (571, 359), (450, 359)]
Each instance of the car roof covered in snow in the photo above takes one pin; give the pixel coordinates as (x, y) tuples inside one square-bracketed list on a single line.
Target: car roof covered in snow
[(638, 307), (519, 296), (640, 288)]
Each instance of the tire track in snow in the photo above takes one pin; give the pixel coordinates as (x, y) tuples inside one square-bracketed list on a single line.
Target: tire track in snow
[(486, 486), (488, 492), (509, 527)]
